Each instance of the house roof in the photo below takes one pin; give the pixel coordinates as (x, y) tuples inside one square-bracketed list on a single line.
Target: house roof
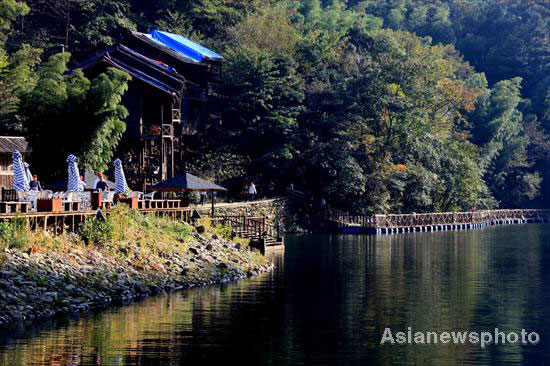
[(10, 143), (152, 72), (183, 46), (187, 183)]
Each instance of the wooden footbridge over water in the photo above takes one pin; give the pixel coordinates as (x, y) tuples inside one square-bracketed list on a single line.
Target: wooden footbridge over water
[(402, 223)]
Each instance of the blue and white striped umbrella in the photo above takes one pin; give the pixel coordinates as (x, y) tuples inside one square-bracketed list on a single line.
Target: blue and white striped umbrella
[(74, 176), (120, 179), (28, 172), (20, 182)]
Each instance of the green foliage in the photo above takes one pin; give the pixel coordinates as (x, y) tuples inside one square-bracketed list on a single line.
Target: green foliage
[(9, 11), (97, 232), (278, 35), (224, 232), (14, 234), (369, 104), (69, 114), (261, 115)]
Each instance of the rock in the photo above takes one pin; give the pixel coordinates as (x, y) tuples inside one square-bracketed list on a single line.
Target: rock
[(5, 274), (71, 288), (52, 294), (141, 288), (16, 315), (209, 247)]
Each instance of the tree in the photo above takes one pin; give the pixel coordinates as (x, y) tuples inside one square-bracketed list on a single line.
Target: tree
[(16, 69), (499, 131), (265, 96), (69, 114)]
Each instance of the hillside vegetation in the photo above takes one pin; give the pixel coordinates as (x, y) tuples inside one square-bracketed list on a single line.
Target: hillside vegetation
[(377, 106)]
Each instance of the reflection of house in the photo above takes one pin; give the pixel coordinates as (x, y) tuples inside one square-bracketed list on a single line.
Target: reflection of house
[(170, 96), (7, 145)]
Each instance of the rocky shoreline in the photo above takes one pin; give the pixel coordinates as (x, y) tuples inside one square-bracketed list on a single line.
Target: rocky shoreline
[(40, 283)]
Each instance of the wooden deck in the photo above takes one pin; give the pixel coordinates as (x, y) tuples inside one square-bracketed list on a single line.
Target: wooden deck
[(59, 222), (388, 224), (261, 232)]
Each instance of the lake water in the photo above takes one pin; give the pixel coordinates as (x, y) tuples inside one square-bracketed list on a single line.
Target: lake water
[(327, 303)]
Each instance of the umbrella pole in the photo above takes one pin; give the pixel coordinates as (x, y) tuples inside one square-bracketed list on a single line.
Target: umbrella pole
[(212, 198)]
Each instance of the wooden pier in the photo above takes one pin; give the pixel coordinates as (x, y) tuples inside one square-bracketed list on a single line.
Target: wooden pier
[(403, 223)]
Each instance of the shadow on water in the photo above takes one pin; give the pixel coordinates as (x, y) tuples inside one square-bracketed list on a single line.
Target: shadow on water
[(327, 303)]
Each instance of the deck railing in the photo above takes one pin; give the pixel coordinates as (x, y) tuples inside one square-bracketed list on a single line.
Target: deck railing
[(251, 227), (344, 219)]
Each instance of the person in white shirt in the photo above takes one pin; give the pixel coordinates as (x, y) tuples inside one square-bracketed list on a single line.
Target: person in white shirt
[(81, 184), (252, 191)]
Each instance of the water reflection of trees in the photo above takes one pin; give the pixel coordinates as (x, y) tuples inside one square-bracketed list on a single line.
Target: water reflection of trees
[(327, 303)]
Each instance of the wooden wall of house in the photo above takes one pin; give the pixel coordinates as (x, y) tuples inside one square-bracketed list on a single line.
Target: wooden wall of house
[(6, 171)]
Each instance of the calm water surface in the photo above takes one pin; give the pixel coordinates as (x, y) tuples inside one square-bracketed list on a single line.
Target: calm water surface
[(327, 303)]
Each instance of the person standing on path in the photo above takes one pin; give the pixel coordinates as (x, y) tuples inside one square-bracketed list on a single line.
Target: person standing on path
[(252, 191)]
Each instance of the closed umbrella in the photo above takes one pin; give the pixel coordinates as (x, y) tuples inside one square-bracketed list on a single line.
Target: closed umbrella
[(120, 179), (28, 172), (74, 176), (20, 182)]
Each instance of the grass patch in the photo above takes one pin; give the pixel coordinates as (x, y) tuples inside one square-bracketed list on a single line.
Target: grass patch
[(14, 234), (221, 231)]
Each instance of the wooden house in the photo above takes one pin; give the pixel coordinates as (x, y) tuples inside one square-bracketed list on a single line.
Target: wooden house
[(7, 145), (171, 95)]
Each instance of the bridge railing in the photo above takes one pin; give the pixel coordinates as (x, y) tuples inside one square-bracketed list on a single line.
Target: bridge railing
[(429, 219)]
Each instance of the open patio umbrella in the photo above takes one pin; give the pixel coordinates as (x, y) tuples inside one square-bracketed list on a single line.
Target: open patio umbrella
[(120, 179), (74, 176), (20, 181), (189, 183)]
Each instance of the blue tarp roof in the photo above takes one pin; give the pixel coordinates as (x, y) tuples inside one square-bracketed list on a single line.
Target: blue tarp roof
[(183, 46)]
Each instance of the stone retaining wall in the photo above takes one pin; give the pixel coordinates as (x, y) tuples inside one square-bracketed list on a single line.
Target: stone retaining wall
[(276, 210)]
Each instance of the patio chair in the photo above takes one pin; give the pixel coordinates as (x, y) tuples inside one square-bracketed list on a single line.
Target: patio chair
[(29, 196), (107, 199), (137, 194), (149, 196), (84, 198), (45, 194)]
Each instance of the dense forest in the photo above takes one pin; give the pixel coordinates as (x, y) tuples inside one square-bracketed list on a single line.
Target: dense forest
[(376, 105)]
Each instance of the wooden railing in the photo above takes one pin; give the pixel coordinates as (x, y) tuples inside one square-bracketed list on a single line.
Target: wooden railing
[(343, 219), (256, 228)]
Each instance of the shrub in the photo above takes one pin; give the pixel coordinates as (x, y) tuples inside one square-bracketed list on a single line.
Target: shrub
[(122, 218), (220, 230), (97, 231), (14, 234)]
